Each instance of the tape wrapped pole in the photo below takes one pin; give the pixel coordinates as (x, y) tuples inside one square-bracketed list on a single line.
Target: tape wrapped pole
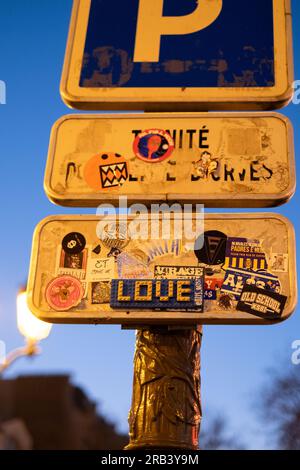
[(166, 403)]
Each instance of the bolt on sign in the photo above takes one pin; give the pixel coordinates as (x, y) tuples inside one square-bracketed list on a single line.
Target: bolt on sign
[(235, 160), (148, 269), (161, 55)]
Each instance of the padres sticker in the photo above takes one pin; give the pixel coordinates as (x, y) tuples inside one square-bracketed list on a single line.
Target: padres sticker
[(153, 145)]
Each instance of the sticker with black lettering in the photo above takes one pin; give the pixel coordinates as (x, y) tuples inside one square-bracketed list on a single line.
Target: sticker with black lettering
[(178, 272), (261, 303)]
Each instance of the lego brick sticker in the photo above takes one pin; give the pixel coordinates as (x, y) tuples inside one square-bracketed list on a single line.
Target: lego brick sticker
[(262, 303), (158, 294)]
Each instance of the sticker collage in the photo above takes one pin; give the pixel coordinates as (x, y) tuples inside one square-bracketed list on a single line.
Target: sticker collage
[(116, 272)]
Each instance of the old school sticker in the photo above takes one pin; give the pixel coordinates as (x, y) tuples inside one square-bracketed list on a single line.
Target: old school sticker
[(221, 160), (222, 271)]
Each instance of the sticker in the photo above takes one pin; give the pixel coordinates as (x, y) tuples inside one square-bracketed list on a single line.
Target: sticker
[(158, 294), (212, 287), (100, 292), (106, 171), (206, 165), (73, 243), (279, 262), (73, 265), (178, 272), (100, 269), (213, 248), (73, 261), (261, 303), (243, 253), (115, 252), (153, 145), (226, 301), (235, 279), (130, 267), (139, 255), (163, 247), (64, 292), (115, 235), (97, 250)]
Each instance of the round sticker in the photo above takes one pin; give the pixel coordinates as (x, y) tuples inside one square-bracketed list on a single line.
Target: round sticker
[(153, 145), (64, 292), (210, 247), (73, 243), (115, 236), (106, 171)]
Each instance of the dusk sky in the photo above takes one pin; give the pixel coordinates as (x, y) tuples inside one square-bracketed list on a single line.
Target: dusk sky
[(235, 359)]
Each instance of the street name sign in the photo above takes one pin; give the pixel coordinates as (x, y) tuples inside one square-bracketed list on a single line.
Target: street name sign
[(178, 269), (188, 55), (218, 159)]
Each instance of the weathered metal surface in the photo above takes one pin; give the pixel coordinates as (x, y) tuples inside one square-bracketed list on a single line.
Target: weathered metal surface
[(162, 56), (245, 269), (220, 160)]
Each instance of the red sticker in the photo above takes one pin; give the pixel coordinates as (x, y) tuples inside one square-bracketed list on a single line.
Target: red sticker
[(153, 145), (64, 292)]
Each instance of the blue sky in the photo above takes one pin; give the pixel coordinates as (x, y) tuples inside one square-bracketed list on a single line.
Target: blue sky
[(235, 360)]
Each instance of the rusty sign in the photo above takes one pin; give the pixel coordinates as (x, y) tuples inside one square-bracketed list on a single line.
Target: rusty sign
[(186, 55), (221, 160), (181, 269)]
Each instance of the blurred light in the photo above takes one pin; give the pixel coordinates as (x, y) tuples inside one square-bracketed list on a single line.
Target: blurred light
[(29, 326)]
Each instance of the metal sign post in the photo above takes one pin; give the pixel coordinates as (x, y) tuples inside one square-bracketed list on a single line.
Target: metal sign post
[(166, 404), (231, 269)]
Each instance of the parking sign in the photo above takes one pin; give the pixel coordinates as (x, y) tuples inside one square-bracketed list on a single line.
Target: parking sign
[(183, 55)]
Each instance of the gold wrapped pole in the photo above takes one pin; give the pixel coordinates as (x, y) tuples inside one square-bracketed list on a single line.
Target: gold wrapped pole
[(166, 405)]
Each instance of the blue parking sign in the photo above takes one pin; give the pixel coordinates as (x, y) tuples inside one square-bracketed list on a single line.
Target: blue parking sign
[(178, 55)]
